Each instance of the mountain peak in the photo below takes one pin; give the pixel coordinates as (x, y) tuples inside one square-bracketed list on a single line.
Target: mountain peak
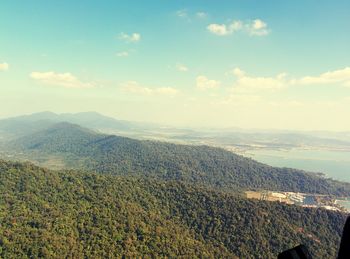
[(71, 127), (45, 115)]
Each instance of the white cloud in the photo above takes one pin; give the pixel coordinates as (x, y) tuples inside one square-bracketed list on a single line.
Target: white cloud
[(181, 68), (134, 37), (66, 80), (182, 13), (135, 88), (201, 15), (256, 28), (165, 90), (252, 84), (218, 29), (4, 66), (238, 72), (204, 83), (123, 54), (258, 24), (341, 76), (236, 26), (189, 16)]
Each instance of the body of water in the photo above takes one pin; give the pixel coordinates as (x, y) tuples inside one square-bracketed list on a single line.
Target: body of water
[(344, 203), (334, 164)]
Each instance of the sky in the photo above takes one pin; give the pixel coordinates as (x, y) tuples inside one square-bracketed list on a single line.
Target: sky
[(248, 64)]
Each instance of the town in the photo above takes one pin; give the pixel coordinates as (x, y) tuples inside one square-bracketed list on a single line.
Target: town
[(301, 199)]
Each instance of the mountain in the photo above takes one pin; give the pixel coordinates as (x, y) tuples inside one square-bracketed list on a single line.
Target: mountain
[(202, 165), (27, 124), (71, 214), (242, 140), (95, 121), (13, 128)]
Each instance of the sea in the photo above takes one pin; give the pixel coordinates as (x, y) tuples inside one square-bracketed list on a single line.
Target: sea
[(333, 164)]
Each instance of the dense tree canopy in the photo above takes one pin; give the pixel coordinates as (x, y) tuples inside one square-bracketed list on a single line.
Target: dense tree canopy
[(76, 214), (208, 166)]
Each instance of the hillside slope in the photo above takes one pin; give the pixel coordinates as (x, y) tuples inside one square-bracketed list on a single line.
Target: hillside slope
[(75, 214), (203, 165)]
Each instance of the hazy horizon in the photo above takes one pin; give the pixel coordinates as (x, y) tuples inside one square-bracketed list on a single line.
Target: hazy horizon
[(248, 65), (223, 129)]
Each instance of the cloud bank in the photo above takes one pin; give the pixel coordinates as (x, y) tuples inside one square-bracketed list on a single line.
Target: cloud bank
[(66, 80), (135, 88), (256, 27), (134, 37), (205, 83)]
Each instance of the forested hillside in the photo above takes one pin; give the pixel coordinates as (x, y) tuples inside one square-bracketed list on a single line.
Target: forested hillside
[(63, 214), (207, 166)]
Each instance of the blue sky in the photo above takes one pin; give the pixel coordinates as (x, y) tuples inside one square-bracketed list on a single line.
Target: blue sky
[(249, 64)]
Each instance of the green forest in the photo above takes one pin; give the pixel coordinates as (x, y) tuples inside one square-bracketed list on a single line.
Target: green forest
[(202, 165), (77, 214)]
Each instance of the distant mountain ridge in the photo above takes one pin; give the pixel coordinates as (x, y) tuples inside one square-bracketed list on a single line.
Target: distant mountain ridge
[(237, 139), (202, 165), (20, 125)]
